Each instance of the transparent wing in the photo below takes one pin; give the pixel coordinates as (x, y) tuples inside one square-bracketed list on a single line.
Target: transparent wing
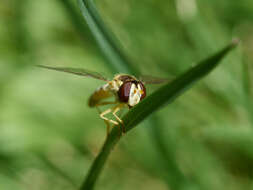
[(76, 71), (146, 79)]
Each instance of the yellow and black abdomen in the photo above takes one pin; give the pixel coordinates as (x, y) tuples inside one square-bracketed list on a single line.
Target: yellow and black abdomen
[(98, 96)]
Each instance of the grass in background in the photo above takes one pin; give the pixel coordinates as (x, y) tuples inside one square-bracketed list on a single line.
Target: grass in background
[(48, 135)]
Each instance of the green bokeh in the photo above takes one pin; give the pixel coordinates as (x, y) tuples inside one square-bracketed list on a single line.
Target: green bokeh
[(48, 135)]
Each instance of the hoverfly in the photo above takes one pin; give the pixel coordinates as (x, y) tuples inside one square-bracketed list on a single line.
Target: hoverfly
[(127, 90)]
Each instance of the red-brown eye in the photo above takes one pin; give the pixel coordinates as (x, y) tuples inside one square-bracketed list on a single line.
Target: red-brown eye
[(124, 91), (143, 89)]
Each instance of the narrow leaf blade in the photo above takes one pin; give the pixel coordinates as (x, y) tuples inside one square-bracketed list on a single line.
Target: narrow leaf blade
[(152, 103), (172, 90), (108, 44)]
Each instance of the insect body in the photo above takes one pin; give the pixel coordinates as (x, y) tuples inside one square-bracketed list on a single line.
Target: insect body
[(127, 90)]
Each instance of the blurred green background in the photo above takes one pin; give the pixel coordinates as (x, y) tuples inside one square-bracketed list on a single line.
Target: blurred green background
[(48, 135)]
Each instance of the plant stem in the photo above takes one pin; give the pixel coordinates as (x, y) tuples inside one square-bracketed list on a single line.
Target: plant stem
[(152, 103)]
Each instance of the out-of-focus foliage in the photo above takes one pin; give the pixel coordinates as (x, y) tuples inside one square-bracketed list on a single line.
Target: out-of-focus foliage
[(49, 136)]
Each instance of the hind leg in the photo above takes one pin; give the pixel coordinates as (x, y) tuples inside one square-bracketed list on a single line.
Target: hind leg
[(115, 110), (106, 123), (102, 115)]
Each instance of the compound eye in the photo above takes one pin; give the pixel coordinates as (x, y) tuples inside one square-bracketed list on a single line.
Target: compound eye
[(124, 91), (143, 90)]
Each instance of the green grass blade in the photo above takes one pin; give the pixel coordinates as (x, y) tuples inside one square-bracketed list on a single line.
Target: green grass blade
[(174, 177), (80, 26), (169, 92), (105, 39), (171, 169), (152, 103)]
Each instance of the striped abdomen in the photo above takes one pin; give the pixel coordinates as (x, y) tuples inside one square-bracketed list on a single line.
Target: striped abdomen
[(99, 95)]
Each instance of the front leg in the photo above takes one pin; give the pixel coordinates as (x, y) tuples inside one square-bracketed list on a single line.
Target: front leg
[(116, 109), (102, 115), (106, 122)]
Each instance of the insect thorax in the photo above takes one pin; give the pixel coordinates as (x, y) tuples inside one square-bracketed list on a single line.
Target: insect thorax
[(107, 90)]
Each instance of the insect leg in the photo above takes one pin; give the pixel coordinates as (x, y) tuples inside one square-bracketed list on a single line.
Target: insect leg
[(106, 122), (116, 109), (102, 115)]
